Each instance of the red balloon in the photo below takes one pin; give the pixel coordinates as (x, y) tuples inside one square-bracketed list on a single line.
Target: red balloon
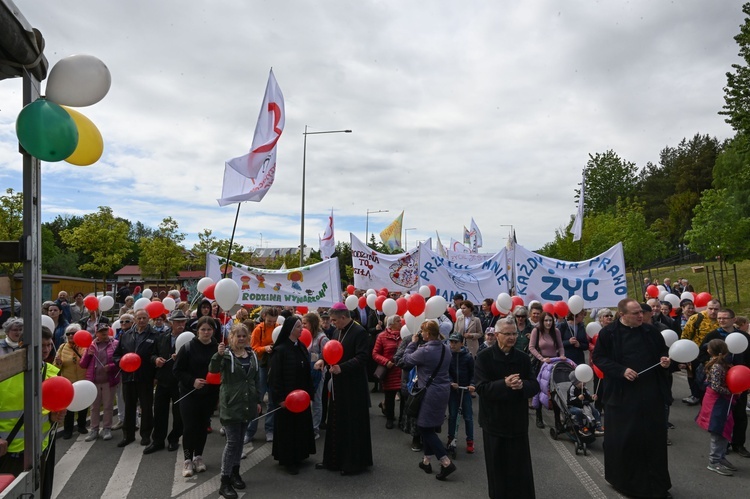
[(91, 303), (57, 393), (1, 312), (130, 362), (416, 304), (402, 305), (598, 372), (383, 291), (549, 308), (297, 400), (351, 289), (362, 302), (379, 302), (209, 291), (561, 309), (494, 309), (452, 312), (155, 309), (652, 291), (111, 332), (517, 302), (82, 338), (433, 290), (738, 379), (702, 299), (306, 337), (332, 352), (213, 378)]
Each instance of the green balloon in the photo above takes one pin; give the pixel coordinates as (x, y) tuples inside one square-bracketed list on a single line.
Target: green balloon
[(46, 131)]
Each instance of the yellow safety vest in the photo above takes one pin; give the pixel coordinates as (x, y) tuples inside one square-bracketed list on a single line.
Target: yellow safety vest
[(11, 408)]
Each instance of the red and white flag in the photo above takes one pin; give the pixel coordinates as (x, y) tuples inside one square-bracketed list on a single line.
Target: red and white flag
[(328, 242)]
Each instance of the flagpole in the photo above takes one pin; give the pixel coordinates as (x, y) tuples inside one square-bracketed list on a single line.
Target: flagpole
[(231, 240)]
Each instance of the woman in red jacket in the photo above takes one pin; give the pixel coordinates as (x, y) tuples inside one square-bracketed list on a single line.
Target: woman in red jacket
[(386, 345)]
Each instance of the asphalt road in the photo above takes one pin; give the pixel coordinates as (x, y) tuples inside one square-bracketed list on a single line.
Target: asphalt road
[(100, 469)]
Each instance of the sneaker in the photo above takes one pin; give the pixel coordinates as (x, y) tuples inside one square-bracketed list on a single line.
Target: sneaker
[(741, 450), (222, 432), (470, 447), (691, 400), (445, 471), (200, 466), (724, 462), (117, 426), (269, 437), (209, 429), (107, 434), (599, 431), (93, 435), (720, 469), (187, 468)]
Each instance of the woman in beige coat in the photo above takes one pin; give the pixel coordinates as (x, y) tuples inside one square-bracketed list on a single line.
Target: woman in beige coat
[(469, 327)]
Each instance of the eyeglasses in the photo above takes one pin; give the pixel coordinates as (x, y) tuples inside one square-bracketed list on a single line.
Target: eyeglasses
[(69, 334), (608, 315), (522, 316), (125, 322), (509, 334)]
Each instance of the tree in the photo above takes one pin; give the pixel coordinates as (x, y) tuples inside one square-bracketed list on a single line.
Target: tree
[(207, 243), (737, 92), (11, 229), (719, 231), (608, 177), (162, 255), (102, 237)]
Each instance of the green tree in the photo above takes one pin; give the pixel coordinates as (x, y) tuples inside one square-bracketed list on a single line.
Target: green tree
[(608, 177), (11, 229), (207, 243), (102, 237), (162, 255), (719, 231), (737, 92)]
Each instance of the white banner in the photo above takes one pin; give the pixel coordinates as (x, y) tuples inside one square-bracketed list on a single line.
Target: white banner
[(476, 282), (600, 281), (468, 258), (373, 270), (313, 286)]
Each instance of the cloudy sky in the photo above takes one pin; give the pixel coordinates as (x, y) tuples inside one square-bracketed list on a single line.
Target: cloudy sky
[(458, 109)]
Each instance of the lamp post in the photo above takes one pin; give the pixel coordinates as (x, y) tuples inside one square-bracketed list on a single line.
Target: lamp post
[(367, 223), (302, 215), (406, 240)]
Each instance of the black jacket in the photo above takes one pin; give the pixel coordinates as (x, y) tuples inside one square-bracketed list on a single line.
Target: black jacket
[(164, 349), (192, 363), (146, 350), (461, 369)]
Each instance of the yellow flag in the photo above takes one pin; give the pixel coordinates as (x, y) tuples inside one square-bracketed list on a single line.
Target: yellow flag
[(391, 235)]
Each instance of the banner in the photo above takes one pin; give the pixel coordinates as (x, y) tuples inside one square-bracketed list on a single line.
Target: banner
[(313, 286), (475, 236), (327, 242), (467, 236), (373, 270), (457, 247), (476, 282), (578, 222), (600, 281), (467, 258), (391, 235)]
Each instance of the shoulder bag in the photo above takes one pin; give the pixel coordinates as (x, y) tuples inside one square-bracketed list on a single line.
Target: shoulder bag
[(414, 402)]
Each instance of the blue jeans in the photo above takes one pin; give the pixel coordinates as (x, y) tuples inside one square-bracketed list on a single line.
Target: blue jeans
[(431, 442), (253, 427), (233, 447), (466, 409), (578, 416)]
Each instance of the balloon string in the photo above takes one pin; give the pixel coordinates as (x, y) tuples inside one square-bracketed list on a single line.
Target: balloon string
[(730, 405), (596, 386), (188, 393), (118, 373), (263, 415), (649, 368)]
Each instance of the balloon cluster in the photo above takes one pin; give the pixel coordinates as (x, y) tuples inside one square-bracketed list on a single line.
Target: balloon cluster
[(49, 130)]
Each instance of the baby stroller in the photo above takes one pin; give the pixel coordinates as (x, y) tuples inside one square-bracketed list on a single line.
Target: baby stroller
[(563, 374)]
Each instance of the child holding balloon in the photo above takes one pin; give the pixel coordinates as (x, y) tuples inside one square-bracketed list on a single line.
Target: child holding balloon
[(715, 415), (98, 361)]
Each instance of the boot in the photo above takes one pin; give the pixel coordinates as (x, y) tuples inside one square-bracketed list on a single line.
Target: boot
[(235, 479), (226, 489), (539, 420)]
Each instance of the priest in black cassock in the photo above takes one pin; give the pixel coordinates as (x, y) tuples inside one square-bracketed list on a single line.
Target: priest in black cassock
[(505, 383), (635, 442), (348, 447)]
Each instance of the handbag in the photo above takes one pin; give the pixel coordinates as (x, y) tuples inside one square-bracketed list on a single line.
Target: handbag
[(380, 372), (414, 402)]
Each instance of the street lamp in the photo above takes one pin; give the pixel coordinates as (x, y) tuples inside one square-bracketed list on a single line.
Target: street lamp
[(367, 223), (302, 215), (406, 243)]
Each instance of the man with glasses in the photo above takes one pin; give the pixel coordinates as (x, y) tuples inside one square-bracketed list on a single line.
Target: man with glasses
[(725, 317), (635, 394), (523, 328), (696, 328)]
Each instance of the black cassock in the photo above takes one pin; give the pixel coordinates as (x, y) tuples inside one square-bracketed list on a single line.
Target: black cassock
[(635, 440), (504, 418), (348, 447)]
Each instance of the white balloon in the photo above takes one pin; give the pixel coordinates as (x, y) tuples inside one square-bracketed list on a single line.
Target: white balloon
[(584, 373), (280, 320), (84, 394), (673, 300), (687, 295), (405, 333), (371, 300), (663, 294), (371, 292), (106, 303), (275, 334), (683, 351), (169, 303), (390, 307), (661, 288), (736, 342), (148, 293), (141, 303), (435, 307), (413, 323), (203, 284), (425, 291), (79, 80), (183, 339), (116, 325), (593, 328), (670, 337), (226, 293), (351, 302), (575, 304), (504, 302), (48, 322)]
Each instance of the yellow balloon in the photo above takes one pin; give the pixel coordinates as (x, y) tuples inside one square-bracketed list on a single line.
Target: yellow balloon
[(90, 142)]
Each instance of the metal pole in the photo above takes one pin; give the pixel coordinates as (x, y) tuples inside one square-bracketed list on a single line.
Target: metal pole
[(723, 286), (302, 216), (736, 284), (231, 240)]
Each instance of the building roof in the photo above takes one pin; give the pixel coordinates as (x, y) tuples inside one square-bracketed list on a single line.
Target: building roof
[(191, 274), (129, 270)]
